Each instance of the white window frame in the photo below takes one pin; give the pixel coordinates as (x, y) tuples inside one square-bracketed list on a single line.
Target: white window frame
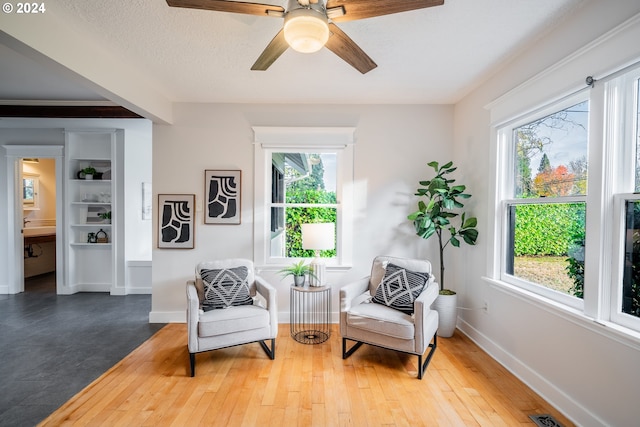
[(505, 196), (613, 131), (268, 140), (624, 127)]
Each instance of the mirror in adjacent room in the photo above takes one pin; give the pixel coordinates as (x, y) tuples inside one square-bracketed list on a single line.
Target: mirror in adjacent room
[(30, 190)]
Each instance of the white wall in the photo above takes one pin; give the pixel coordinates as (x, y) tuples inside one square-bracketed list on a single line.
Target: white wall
[(589, 373), (138, 168), (393, 146)]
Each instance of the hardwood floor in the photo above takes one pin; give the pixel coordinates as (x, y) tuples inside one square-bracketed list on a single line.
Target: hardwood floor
[(306, 385)]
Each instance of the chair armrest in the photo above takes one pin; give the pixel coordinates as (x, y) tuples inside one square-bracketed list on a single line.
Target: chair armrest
[(193, 315), (352, 291), (421, 310), (266, 290), (429, 293), (269, 293), (349, 295)]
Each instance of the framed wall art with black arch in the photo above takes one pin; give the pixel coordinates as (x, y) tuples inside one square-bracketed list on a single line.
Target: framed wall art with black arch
[(222, 196)]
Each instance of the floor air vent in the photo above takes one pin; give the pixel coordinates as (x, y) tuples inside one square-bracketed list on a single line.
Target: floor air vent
[(545, 420)]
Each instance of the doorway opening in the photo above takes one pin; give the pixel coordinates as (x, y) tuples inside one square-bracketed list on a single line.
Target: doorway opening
[(38, 195)]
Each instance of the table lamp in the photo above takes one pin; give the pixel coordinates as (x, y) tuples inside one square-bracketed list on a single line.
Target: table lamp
[(318, 237)]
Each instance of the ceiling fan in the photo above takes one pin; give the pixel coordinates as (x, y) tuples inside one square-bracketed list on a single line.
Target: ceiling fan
[(309, 24)]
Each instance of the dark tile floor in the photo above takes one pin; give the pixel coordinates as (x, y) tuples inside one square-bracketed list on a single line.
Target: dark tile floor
[(52, 346)]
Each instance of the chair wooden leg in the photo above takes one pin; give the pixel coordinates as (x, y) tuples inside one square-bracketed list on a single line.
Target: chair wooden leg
[(270, 352), (422, 367), (192, 360), (346, 353)]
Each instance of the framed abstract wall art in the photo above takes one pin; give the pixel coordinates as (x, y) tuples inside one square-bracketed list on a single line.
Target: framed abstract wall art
[(176, 221), (222, 196)]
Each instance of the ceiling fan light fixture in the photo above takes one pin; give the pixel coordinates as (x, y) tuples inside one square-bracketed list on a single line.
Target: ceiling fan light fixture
[(306, 30)]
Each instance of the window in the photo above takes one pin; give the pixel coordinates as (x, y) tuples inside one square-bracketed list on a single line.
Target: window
[(630, 296), (303, 190), (567, 218), (545, 200), (302, 175)]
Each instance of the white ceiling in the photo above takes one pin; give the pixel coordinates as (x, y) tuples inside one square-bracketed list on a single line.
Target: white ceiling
[(433, 55)]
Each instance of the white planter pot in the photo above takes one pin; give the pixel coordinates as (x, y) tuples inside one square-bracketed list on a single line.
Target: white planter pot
[(298, 280), (447, 308)]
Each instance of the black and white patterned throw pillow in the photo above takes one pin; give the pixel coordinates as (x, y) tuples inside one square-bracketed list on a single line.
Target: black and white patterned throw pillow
[(226, 287), (400, 288)]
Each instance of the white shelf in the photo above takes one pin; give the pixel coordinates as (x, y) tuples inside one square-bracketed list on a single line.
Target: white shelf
[(86, 261)]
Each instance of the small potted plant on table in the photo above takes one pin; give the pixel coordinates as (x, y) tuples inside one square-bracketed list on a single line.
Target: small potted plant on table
[(298, 270)]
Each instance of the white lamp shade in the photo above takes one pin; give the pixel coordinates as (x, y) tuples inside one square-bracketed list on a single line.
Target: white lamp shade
[(320, 236), (305, 30)]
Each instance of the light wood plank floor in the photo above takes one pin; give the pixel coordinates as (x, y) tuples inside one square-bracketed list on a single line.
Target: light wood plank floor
[(306, 385)]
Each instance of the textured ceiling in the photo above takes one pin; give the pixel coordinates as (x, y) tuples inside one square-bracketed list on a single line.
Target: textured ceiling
[(434, 55)]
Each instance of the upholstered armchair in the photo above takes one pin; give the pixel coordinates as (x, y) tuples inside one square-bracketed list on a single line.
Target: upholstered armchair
[(391, 308), (228, 305)]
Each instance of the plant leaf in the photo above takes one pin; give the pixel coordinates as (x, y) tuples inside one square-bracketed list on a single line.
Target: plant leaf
[(470, 222), (470, 236), (448, 203), (425, 234)]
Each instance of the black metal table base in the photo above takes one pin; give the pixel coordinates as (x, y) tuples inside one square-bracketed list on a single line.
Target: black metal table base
[(310, 314), (310, 337)]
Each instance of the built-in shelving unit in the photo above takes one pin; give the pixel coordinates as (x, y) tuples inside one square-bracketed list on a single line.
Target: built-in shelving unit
[(92, 255)]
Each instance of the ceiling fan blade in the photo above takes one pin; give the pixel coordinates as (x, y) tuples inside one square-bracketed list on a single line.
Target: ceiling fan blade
[(228, 6), (274, 49), (340, 44), (361, 9)]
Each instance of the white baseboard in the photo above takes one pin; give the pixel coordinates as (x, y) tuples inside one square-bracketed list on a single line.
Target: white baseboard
[(542, 386), (138, 290), (168, 317)]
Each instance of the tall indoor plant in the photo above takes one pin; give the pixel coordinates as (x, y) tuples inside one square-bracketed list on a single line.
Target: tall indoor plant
[(438, 206)]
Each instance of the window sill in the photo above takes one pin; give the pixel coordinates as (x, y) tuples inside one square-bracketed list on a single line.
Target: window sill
[(278, 267), (607, 329)]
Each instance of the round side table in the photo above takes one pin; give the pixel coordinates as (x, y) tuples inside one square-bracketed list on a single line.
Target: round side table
[(310, 311)]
